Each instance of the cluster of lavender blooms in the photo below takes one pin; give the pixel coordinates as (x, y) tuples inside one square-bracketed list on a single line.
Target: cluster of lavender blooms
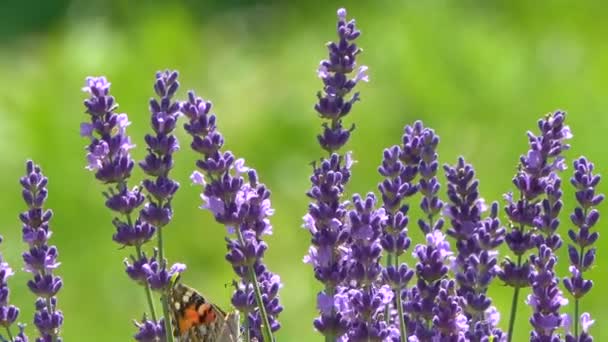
[(366, 300), (345, 244), (582, 251), (139, 217), (237, 199), (358, 247), (40, 260)]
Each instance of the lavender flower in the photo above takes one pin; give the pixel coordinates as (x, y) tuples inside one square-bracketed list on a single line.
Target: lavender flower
[(449, 321), (161, 146), (431, 267), (476, 241), (546, 298), (326, 221), (108, 153), (157, 212), (582, 251), (399, 167), (537, 178), (150, 331), (109, 156), (41, 259), (233, 193), (369, 299), (429, 185), (8, 312), (333, 104), (327, 213)]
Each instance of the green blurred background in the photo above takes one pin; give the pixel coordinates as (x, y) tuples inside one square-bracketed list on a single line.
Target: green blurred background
[(480, 73)]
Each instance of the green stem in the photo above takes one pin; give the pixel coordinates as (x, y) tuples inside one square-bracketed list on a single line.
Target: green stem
[(514, 307), (49, 306), (164, 298), (147, 288), (10, 336), (387, 318), (576, 318), (168, 329), (402, 326), (266, 329)]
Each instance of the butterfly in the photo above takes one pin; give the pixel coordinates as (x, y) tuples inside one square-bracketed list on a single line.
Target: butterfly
[(197, 320)]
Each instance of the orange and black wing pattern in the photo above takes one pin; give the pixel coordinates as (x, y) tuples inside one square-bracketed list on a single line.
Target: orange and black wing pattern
[(194, 318)]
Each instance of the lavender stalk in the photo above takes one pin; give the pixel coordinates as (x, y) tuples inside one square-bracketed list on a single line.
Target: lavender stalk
[(157, 164), (476, 243), (8, 312), (326, 215), (581, 251), (399, 167), (41, 259), (109, 157), (233, 193), (537, 171)]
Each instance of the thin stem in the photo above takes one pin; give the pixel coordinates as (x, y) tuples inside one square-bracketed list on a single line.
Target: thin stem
[(387, 317), (147, 288), (10, 336), (514, 307), (576, 318), (167, 320), (266, 329), (402, 326), (49, 306), (164, 298)]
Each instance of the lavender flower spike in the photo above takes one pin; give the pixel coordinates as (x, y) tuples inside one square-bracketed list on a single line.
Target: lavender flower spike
[(475, 264), (8, 312), (581, 250), (326, 215), (238, 200), (535, 208), (369, 297), (160, 188), (41, 259), (334, 71), (399, 168), (161, 146), (108, 154)]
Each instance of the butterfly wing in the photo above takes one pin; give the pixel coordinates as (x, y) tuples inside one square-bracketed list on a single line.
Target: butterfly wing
[(229, 331), (194, 318)]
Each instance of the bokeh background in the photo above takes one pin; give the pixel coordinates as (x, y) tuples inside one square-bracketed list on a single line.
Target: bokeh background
[(480, 73)]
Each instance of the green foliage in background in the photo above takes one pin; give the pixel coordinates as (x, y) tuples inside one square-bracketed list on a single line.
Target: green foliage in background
[(480, 73)]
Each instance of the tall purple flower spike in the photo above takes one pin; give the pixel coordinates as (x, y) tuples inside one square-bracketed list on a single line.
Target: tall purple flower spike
[(334, 103), (326, 217), (237, 199), (533, 216), (108, 155), (399, 168), (369, 297), (8, 312), (161, 146), (475, 264), (432, 257), (582, 250), (41, 258)]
